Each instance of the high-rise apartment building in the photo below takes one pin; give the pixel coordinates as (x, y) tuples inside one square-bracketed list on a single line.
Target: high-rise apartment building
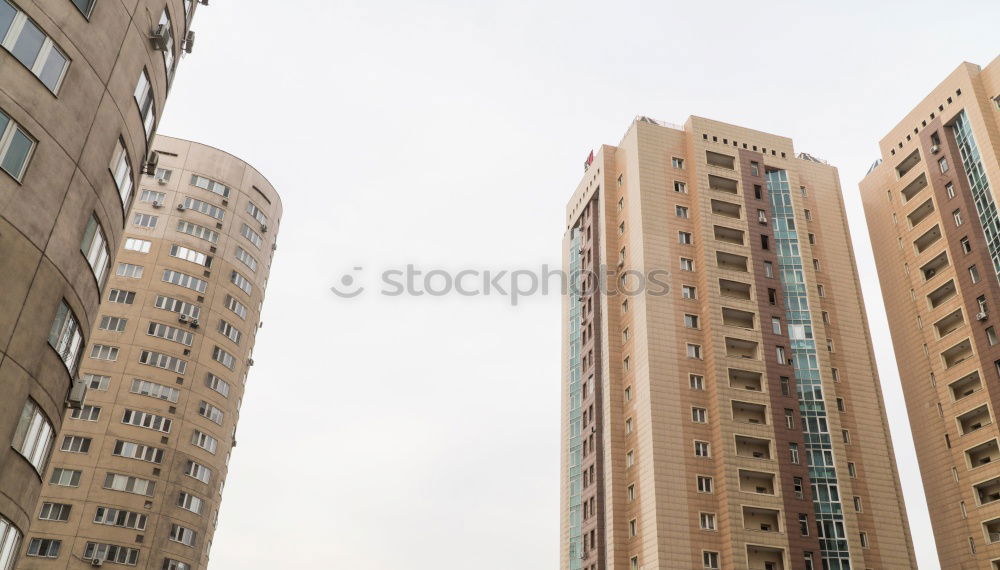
[(83, 84), (932, 214), (733, 419), (137, 474)]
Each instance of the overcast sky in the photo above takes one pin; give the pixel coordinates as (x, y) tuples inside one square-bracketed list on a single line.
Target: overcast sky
[(423, 433)]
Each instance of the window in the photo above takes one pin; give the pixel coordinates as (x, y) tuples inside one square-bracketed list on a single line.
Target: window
[(254, 237), (197, 231), (966, 247), (229, 361), (689, 292), (697, 381), (772, 296), (210, 412), (257, 213), (198, 471), (205, 441), (120, 296), (864, 540), (846, 434), (111, 553), (699, 415), (691, 321), (793, 453), (85, 7), (242, 282), (829, 345), (776, 325), (710, 560), (33, 436), (65, 477), (146, 420), (826, 317), (177, 306), (154, 390), (957, 214), (768, 269), (857, 504), (821, 290), (803, 524), (684, 238), (121, 171), (852, 469), (841, 405), (87, 412), (138, 451), (694, 350), (129, 271), (628, 426), (758, 191), (707, 521), (629, 458), (43, 547), (943, 165), (168, 52), (104, 352), (170, 333), (184, 280), (765, 242), (786, 389), (633, 563), (95, 248), (687, 264), (28, 44), (204, 208), (139, 245), (991, 336), (152, 196), (246, 258), (65, 336), (630, 493), (75, 444), (797, 487), (949, 189), (117, 517), (677, 162), (974, 274), (681, 211), (144, 99), (754, 168), (171, 564), (211, 186), (779, 352), (789, 418), (621, 204), (628, 393), (241, 311), (701, 449), (128, 484), (233, 334), (680, 187), (181, 252), (145, 220), (808, 215), (50, 512), (190, 502), (812, 239), (704, 484)]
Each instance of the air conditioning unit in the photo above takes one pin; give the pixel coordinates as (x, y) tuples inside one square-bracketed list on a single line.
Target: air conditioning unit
[(203, 2), (225, 202), (981, 315), (249, 362), (157, 204), (935, 149), (762, 218), (98, 562), (263, 228), (182, 318), (159, 37), (77, 394), (194, 323), (180, 207), (162, 181), (189, 42)]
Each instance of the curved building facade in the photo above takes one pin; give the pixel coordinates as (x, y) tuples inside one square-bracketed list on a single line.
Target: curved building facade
[(138, 472), (83, 82)]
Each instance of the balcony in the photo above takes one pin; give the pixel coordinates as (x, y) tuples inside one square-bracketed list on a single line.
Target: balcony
[(966, 386), (745, 380), (941, 294), (765, 558), (957, 354), (932, 267), (920, 213), (756, 482), (992, 530), (730, 261), (726, 209), (914, 188), (720, 184), (754, 447), (983, 454), (929, 238), (734, 289), (737, 318), (764, 520), (949, 323), (988, 491), (908, 163), (729, 235), (720, 160), (974, 420), (748, 413), (739, 348)]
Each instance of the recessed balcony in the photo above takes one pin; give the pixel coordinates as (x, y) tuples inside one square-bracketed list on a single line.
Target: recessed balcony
[(908, 163), (727, 209), (720, 184), (992, 530), (748, 413), (720, 160), (966, 386), (949, 323), (737, 318), (988, 491), (764, 520), (765, 558), (753, 447), (734, 289), (729, 235), (920, 213), (983, 454), (914, 188), (957, 354), (745, 380), (942, 294), (934, 266), (730, 261), (929, 238), (756, 482), (974, 420), (739, 348)]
